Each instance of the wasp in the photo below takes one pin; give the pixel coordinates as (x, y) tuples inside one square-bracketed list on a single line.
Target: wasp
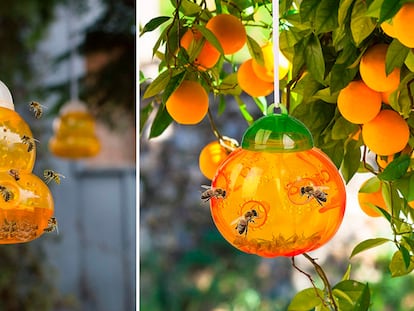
[(50, 175), (217, 193)]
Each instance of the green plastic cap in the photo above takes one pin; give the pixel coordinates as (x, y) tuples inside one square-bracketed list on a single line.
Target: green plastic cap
[(277, 133)]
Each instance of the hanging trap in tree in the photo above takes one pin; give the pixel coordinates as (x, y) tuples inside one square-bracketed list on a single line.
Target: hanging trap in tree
[(26, 203), (283, 197)]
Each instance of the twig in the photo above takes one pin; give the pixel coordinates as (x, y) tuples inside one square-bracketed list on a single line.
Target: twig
[(364, 161), (289, 87), (324, 278), (213, 125), (229, 144), (310, 279)]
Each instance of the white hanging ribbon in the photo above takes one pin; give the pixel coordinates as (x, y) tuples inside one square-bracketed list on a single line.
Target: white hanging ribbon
[(275, 9)]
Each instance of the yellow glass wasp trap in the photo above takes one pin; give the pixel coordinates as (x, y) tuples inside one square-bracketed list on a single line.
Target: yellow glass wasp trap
[(26, 203), (74, 133), (283, 196)]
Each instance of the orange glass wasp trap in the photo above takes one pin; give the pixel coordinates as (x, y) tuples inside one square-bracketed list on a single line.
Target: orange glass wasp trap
[(74, 133), (283, 196), (26, 203)]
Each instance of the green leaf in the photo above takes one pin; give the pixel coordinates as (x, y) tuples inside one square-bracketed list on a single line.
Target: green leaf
[(368, 244), (229, 85), (308, 10), (306, 299), (406, 186), (144, 114), (261, 103), (210, 37), (314, 58), (255, 50), (404, 101), (396, 55), (406, 256), (396, 169), (298, 60), (361, 24), (343, 301), (375, 8), (388, 9), (371, 185), (397, 266), (335, 153), (154, 24), (342, 128), (222, 104), (350, 295), (409, 242), (189, 8), (325, 20), (351, 161), (340, 76), (161, 121), (158, 85), (409, 61), (347, 274), (364, 301), (243, 109), (343, 10), (172, 85), (326, 95), (219, 9)]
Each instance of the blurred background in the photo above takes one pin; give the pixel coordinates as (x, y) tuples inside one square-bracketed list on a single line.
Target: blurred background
[(55, 51), (185, 264)]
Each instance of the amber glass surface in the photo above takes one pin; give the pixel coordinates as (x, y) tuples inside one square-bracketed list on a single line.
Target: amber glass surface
[(288, 222), (17, 147), (24, 215)]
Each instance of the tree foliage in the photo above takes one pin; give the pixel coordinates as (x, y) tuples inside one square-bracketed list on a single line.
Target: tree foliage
[(324, 41)]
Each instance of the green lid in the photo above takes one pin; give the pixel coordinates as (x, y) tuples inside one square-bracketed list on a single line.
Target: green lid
[(277, 133)]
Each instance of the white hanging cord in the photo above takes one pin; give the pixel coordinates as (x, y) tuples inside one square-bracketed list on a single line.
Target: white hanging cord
[(276, 53), (74, 90)]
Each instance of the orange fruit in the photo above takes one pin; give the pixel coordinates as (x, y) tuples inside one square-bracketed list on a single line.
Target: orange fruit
[(266, 72), (356, 135), (383, 161), (229, 31), (385, 96), (210, 158), (358, 103), (250, 82), (372, 69), (207, 56), (188, 104), (374, 198), (402, 24), (411, 204), (386, 134), (388, 28), (284, 65)]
